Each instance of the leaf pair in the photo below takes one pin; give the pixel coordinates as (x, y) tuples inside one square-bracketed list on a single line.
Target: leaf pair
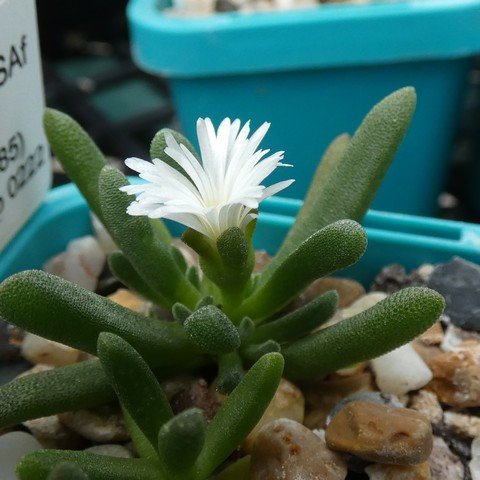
[(180, 447)]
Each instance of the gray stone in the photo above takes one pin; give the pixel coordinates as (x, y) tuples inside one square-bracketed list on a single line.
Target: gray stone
[(459, 282), (110, 450), (51, 433), (102, 425), (444, 464), (13, 446)]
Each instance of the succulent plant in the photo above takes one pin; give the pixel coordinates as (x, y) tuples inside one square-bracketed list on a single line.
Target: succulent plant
[(224, 315)]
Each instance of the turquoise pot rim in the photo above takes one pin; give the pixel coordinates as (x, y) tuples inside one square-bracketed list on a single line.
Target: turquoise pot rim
[(440, 238)]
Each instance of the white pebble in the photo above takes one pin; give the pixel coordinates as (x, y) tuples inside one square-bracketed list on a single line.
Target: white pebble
[(474, 467), (363, 303), (475, 447), (454, 336), (103, 237), (81, 263), (13, 446), (40, 350), (401, 371)]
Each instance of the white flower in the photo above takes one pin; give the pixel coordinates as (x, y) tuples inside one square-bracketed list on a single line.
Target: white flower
[(222, 192)]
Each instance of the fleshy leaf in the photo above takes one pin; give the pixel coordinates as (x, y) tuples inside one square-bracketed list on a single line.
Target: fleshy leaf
[(37, 466), (387, 325), (333, 248), (240, 470), (135, 385), (124, 271), (212, 331), (230, 372), (256, 350), (78, 154), (67, 313), (149, 256), (241, 411), (353, 171), (158, 145), (181, 440), (299, 322), (180, 312), (73, 387)]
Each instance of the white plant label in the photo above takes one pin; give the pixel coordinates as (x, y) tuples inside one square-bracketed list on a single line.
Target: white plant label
[(25, 172)]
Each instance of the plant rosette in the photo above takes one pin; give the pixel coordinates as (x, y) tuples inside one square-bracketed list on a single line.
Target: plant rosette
[(262, 338)]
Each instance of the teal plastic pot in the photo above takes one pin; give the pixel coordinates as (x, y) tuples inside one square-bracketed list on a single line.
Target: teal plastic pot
[(403, 239), (315, 73)]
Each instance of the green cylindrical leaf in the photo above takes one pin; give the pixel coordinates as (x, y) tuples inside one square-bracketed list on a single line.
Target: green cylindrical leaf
[(355, 169), (205, 301), (246, 330), (240, 413), (67, 471), (78, 154), (193, 276), (181, 440), (38, 465), (62, 311), (230, 372), (73, 387), (158, 145), (124, 271), (135, 385), (212, 331), (299, 322), (180, 312), (333, 248), (387, 325), (149, 256), (255, 351), (179, 258), (240, 470)]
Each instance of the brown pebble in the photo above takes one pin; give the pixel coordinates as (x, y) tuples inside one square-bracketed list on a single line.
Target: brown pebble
[(382, 434), (286, 450), (399, 472)]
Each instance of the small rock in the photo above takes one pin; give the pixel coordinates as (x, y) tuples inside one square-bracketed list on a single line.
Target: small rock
[(433, 336), (40, 350), (348, 290), (192, 8), (322, 395), (39, 368), (288, 402), (286, 450), (393, 278), (102, 425), (456, 339), (13, 446), (226, 6), (127, 299), (401, 371), (51, 433), (462, 424), (444, 464), (197, 394), (10, 341), (456, 379), (474, 465), (110, 451), (363, 303), (81, 263), (373, 397), (190, 255), (382, 434), (427, 352), (262, 259), (427, 404), (399, 472), (459, 282), (104, 239)]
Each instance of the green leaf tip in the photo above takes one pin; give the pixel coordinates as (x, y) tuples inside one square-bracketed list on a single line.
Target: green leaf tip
[(181, 440), (135, 384), (212, 331), (78, 154), (352, 170), (387, 325)]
